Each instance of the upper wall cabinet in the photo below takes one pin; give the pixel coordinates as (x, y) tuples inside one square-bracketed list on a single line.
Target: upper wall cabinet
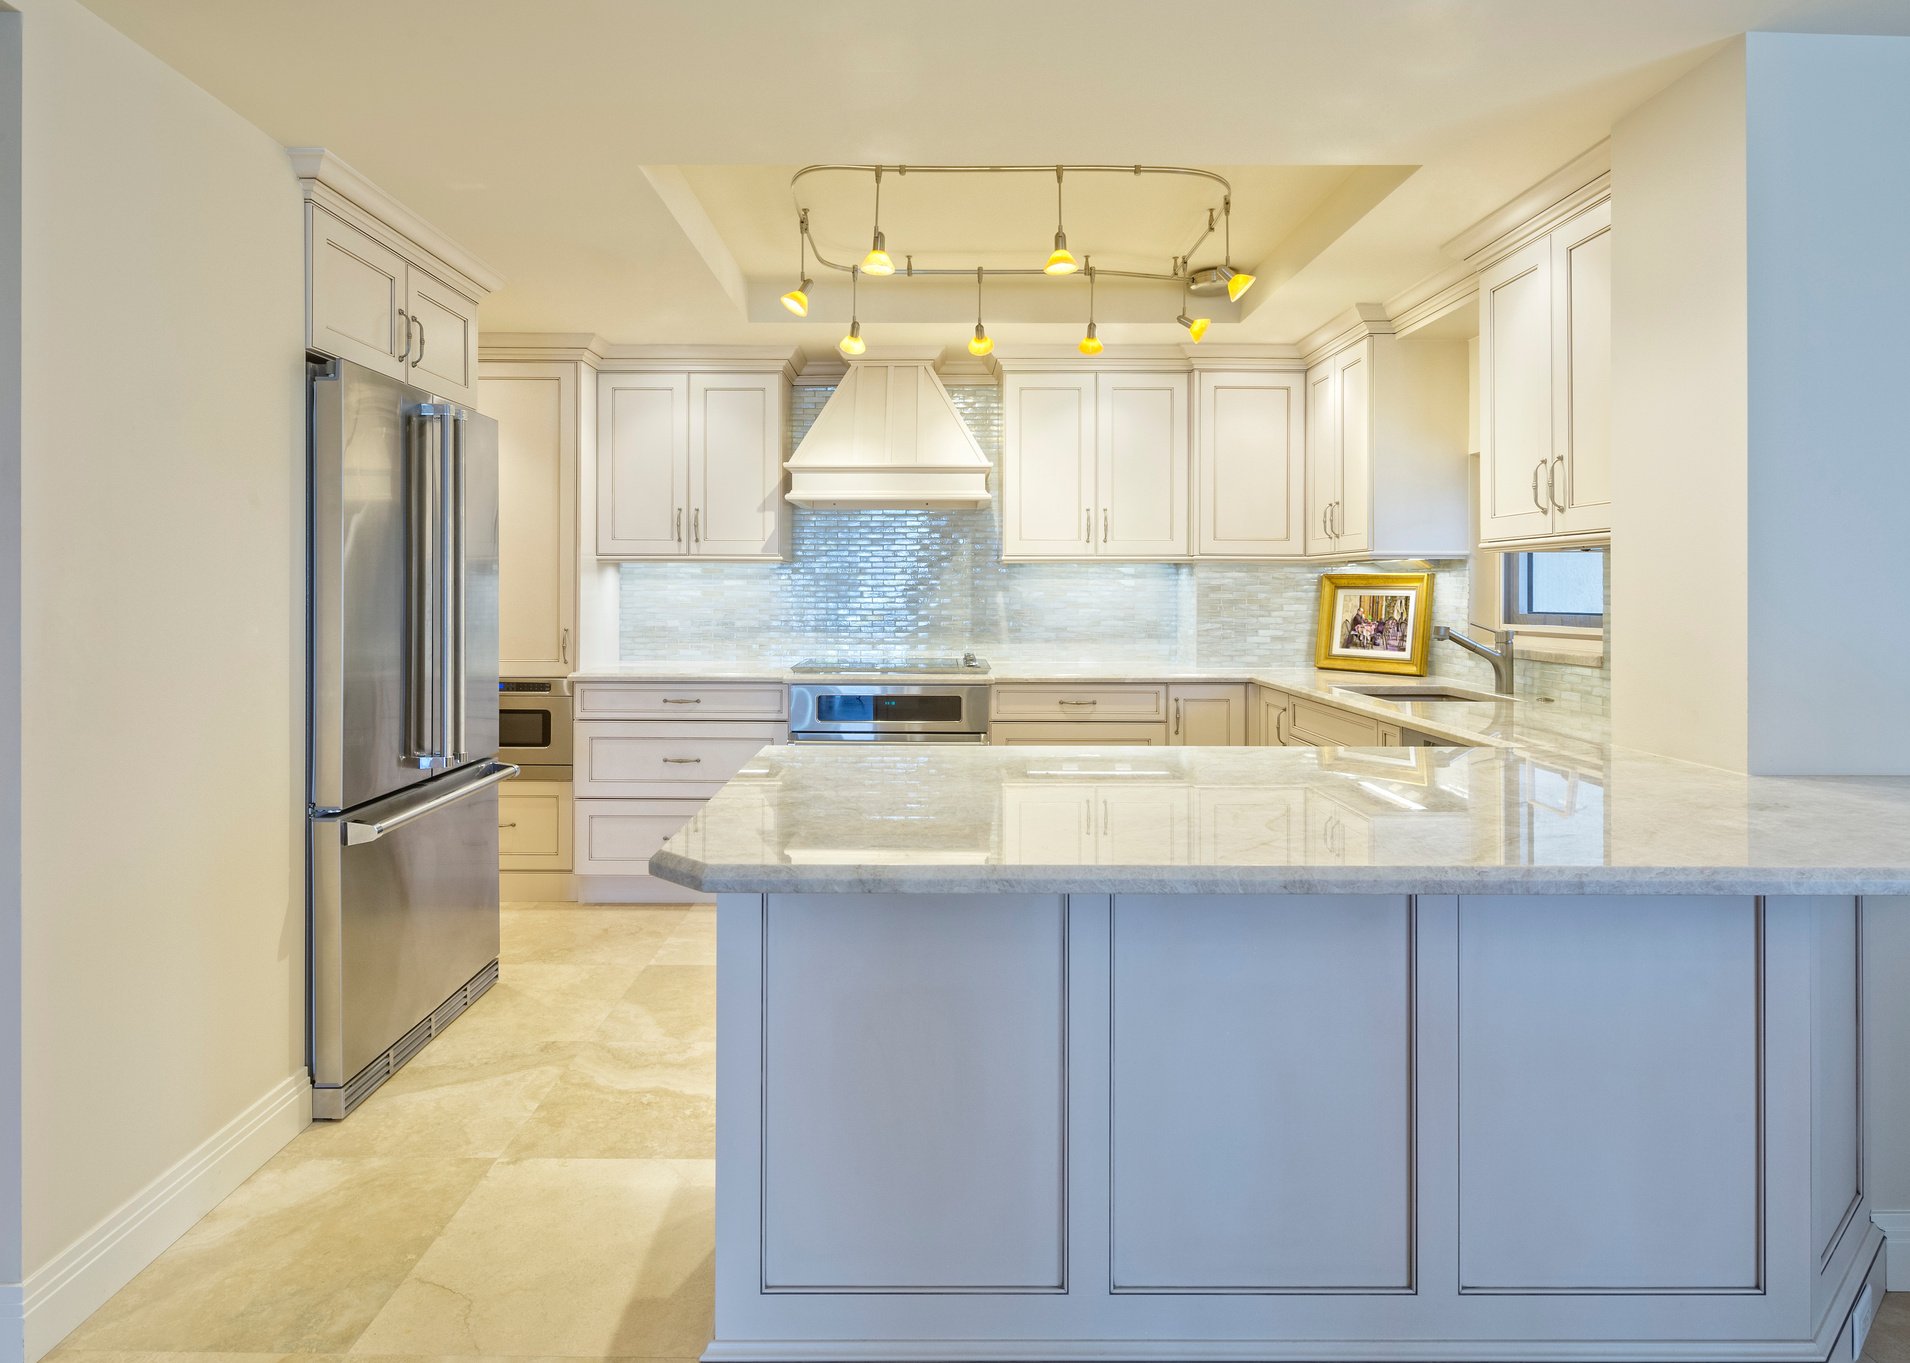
[(1250, 490), (538, 407), (382, 287), (690, 465), (1545, 344), (1095, 466), (1386, 473)]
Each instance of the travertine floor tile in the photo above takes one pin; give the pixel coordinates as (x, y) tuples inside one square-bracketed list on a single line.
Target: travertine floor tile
[(667, 1006), (445, 1108), (619, 1101), (1889, 1340), (694, 940), (584, 1258), (541, 1009), (587, 936), (298, 1260)]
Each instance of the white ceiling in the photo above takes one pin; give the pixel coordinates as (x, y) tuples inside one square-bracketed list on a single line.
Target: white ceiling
[(561, 140)]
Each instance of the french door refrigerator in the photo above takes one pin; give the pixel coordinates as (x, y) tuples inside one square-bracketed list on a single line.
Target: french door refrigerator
[(401, 881)]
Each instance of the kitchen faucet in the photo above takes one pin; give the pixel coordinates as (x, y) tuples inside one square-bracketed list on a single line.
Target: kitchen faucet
[(1499, 655)]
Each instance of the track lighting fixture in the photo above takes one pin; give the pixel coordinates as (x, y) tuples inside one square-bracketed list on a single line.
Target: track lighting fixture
[(1059, 260), (853, 344), (877, 261), (1090, 343), (797, 299), (1238, 281), (1196, 326), (982, 342)]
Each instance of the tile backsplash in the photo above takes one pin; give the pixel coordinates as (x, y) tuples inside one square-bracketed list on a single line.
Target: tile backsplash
[(929, 583)]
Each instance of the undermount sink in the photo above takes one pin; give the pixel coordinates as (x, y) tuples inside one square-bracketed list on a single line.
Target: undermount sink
[(1422, 693)]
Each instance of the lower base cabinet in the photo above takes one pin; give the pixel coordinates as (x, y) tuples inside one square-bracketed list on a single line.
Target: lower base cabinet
[(1085, 734), (618, 837), (1207, 715), (534, 826)]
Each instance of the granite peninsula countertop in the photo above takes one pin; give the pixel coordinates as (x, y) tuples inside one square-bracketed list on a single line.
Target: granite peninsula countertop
[(1283, 820), (1530, 724)]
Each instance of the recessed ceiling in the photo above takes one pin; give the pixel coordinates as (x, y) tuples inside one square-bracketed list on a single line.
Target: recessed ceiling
[(542, 135)]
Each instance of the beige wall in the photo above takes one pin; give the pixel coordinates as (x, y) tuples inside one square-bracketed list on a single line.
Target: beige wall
[(1679, 553), (162, 485), (9, 645)]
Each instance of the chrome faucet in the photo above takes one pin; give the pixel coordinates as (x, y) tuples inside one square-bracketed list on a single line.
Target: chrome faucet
[(1499, 655)]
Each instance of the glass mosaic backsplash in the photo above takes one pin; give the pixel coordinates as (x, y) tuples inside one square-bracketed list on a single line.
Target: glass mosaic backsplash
[(931, 583)]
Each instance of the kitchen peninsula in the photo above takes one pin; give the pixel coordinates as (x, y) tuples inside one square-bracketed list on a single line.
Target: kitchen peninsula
[(1035, 1053)]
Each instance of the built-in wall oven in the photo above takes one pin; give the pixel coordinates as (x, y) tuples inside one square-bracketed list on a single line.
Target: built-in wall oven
[(533, 726), (888, 712)]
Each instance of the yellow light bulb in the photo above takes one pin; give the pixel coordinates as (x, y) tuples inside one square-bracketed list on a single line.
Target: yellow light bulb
[(1091, 343), (852, 344), (981, 343), (1060, 262), (878, 262), (797, 302), (1239, 284), (1198, 328)]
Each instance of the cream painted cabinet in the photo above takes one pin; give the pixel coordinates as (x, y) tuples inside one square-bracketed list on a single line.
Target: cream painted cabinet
[(534, 826), (1207, 716), (1250, 490), (536, 407), (1082, 733), (1266, 717), (355, 295), (1545, 387), (1095, 466), (444, 328), (690, 466), (1386, 450)]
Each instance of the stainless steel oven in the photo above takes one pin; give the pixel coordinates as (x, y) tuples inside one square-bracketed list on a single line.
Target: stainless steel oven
[(888, 712), (533, 727)]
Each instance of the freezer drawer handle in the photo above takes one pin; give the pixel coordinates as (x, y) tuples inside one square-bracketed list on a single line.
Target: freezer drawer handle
[(359, 831)]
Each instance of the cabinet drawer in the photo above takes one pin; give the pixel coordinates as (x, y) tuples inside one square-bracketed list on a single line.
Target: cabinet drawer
[(634, 758), (618, 837), (533, 826), (1099, 735), (1312, 722), (1095, 702), (682, 700)]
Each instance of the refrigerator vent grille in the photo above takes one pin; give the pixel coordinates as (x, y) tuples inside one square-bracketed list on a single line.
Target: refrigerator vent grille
[(368, 1080)]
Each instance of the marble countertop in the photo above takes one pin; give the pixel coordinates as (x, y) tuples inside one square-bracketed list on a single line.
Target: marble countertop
[(1284, 820)]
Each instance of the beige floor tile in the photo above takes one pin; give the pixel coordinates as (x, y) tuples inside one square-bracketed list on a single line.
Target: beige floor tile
[(575, 1257), (1889, 1340), (298, 1260), (536, 1009), (445, 1108), (667, 1006), (694, 940), (600, 935), (627, 1102)]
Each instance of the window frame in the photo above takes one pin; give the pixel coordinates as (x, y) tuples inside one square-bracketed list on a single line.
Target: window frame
[(1513, 563)]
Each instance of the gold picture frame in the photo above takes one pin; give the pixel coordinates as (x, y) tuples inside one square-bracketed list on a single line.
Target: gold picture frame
[(1375, 622)]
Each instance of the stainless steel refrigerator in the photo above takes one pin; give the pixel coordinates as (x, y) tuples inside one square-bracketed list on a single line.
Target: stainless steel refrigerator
[(401, 883)]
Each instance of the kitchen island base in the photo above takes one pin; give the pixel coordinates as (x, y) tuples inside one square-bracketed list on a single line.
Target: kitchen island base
[(1289, 1126)]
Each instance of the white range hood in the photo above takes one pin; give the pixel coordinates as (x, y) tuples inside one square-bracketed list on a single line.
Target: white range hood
[(889, 438)]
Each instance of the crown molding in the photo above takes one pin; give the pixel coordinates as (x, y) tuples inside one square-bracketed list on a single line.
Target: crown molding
[(1243, 355), (702, 359), (575, 347), (1582, 181), (317, 166), (1354, 325), (1432, 298)]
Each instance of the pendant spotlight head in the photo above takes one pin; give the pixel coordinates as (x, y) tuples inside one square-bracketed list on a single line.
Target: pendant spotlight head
[(1060, 260), (797, 299), (1196, 326)]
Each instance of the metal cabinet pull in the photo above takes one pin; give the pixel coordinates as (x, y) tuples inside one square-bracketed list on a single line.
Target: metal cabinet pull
[(420, 322), (1087, 525), (404, 320), (1080, 702), (1537, 469), (512, 824), (1104, 525), (676, 532), (684, 761), (696, 525), (563, 654), (1104, 817), (1176, 716), (678, 700), (1323, 514), (1333, 509), (1552, 482)]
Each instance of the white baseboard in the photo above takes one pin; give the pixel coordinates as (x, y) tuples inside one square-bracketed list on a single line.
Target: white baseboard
[(56, 1297), (1896, 1250)]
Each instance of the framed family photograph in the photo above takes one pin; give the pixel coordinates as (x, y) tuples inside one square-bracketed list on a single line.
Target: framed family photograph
[(1375, 622)]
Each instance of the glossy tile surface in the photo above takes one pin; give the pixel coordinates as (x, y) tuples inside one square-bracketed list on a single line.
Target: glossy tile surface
[(538, 1183)]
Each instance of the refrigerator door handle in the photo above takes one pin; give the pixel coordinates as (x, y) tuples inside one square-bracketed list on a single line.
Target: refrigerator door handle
[(390, 816), (460, 749), (420, 658), (447, 586)]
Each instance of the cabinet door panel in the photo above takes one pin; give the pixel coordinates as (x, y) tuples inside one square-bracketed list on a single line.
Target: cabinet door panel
[(1048, 491), (1141, 465), (1515, 393), (618, 837), (736, 466), (444, 345), (643, 461), (1082, 735), (1322, 453), (1609, 1078), (534, 826), (1351, 515), (912, 1114), (1208, 716), (1049, 823), (1273, 1043), (354, 295), (1582, 371), (1142, 824), (535, 407), (1252, 465)]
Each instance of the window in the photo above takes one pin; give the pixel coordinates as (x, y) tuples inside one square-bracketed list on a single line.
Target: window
[(1556, 587)]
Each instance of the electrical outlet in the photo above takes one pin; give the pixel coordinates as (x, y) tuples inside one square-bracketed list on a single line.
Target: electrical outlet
[(1861, 1316)]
